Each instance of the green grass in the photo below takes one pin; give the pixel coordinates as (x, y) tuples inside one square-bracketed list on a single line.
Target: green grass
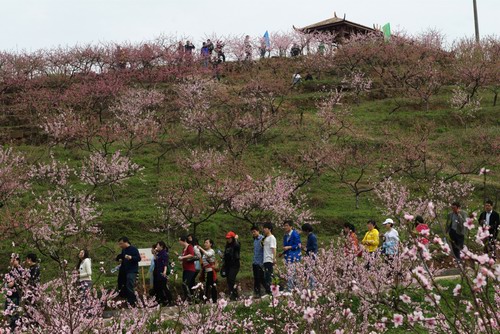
[(134, 212)]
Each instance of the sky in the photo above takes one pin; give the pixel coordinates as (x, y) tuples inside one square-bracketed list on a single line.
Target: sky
[(35, 24)]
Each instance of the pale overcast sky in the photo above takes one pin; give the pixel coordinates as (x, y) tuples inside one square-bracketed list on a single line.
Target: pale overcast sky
[(34, 24)]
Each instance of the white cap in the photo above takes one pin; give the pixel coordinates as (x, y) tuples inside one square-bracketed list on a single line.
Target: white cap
[(388, 221)]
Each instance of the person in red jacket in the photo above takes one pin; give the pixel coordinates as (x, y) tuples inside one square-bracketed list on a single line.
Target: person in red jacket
[(188, 267)]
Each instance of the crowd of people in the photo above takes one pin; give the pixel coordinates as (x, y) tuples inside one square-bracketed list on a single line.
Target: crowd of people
[(207, 264)]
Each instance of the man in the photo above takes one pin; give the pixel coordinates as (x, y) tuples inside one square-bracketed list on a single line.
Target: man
[(188, 267), (490, 218), (31, 263), (291, 243), (291, 250), (189, 47), (248, 48), (210, 46), (456, 229), (269, 255), (232, 263), (129, 268), (258, 261), (312, 241)]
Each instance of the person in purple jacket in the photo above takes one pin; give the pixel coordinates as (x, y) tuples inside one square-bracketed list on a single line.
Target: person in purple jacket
[(291, 250), (160, 274)]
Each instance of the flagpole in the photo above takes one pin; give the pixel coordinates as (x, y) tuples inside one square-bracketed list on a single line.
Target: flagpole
[(476, 23)]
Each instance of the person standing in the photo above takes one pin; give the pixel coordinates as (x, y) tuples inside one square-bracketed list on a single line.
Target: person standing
[(205, 54), (232, 263), (31, 263), (152, 269), (247, 44), (391, 238), (188, 268), (371, 239), (189, 47), (490, 219), (421, 229), (197, 255), (291, 251), (208, 260), (160, 274), (312, 241), (210, 46), (84, 271), (221, 57), (269, 255), (129, 268), (351, 240), (291, 243), (258, 261), (13, 283), (455, 227)]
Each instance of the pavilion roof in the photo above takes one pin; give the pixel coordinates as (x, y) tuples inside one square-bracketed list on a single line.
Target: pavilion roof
[(334, 22)]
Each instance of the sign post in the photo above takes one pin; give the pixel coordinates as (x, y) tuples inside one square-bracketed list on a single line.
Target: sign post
[(146, 258)]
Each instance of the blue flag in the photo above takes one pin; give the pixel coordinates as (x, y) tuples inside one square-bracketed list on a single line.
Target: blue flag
[(267, 40)]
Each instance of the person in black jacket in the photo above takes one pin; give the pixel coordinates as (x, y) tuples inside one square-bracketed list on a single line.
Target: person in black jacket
[(491, 219), (31, 263), (232, 263), (129, 268)]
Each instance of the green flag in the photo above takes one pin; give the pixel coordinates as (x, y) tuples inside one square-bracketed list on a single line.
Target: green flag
[(386, 29)]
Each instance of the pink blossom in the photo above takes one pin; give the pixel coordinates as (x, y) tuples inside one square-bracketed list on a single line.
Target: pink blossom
[(275, 290), (457, 290), (480, 281), (406, 299), (309, 313), (397, 320), (483, 171), (469, 223), (408, 217), (222, 303), (483, 259)]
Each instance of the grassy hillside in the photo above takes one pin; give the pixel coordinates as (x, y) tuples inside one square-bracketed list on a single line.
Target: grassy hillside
[(134, 212)]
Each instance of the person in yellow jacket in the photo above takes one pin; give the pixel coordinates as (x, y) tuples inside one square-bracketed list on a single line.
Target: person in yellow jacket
[(371, 239)]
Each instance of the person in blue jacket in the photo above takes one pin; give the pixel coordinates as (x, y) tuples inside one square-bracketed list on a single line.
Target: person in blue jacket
[(312, 242), (291, 243), (291, 250), (129, 268)]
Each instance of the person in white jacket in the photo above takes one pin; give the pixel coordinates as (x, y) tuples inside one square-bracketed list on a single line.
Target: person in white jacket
[(84, 270)]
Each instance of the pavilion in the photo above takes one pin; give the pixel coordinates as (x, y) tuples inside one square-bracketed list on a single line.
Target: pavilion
[(340, 27)]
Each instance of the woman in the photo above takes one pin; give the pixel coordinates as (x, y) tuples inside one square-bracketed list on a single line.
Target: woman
[(188, 269), (84, 271), (160, 273), (208, 261), (351, 241), (391, 238), (371, 239), (197, 255), (232, 263), (151, 269), (421, 229)]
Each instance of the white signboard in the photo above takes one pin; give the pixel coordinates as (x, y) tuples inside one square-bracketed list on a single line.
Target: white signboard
[(146, 257)]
